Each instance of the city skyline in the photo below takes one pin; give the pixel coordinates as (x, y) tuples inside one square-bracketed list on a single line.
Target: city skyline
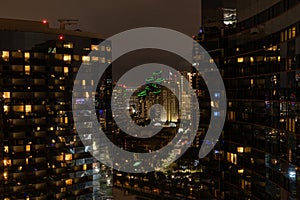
[(211, 112)]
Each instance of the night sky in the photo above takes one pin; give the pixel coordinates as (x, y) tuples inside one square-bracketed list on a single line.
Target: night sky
[(109, 16)]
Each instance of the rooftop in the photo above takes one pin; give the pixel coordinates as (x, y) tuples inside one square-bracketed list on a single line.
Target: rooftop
[(41, 27)]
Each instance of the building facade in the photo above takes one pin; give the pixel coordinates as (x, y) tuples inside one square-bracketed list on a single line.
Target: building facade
[(42, 156), (257, 156), (259, 150)]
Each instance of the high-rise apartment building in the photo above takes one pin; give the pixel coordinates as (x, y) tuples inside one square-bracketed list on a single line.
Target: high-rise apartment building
[(41, 154), (261, 76), (258, 152)]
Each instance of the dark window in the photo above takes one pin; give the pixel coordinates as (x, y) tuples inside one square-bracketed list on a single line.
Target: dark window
[(278, 9)]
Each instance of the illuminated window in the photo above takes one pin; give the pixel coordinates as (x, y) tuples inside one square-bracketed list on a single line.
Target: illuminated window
[(290, 155), (67, 57), (62, 139), (240, 60), (5, 55), (94, 47), (95, 58), (62, 87), (86, 59), (27, 69), (5, 108), (232, 158), (231, 115), (241, 171), (68, 45), (272, 59), (5, 175), (291, 124), (6, 163), (217, 114), (246, 185), (68, 157), (274, 161), (69, 182), (84, 167), (28, 148), (66, 120), (27, 108), (240, 149), (83, 82), (293, 32), (251, 59), (26, 56), (66, 70), (6, 149), (6, 95)]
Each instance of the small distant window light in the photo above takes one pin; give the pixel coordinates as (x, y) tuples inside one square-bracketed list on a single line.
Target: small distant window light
[(217, 114)]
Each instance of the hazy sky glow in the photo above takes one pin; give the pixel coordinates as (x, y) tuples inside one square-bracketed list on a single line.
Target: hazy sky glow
[(109, 16)]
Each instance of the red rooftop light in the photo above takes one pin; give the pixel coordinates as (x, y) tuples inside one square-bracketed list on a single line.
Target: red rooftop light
[(61, 37), (45, 21)]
